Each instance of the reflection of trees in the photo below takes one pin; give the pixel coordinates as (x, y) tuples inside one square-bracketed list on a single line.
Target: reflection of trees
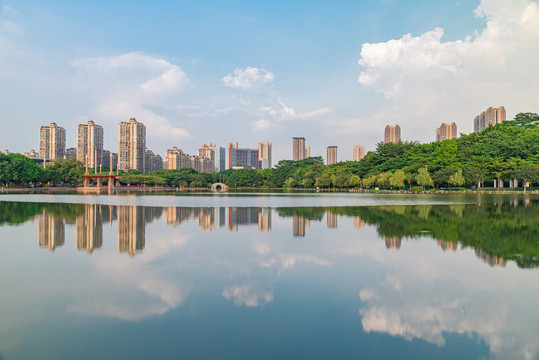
[(500, 231)]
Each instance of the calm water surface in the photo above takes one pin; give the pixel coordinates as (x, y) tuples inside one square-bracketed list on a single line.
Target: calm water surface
[(274, 276)]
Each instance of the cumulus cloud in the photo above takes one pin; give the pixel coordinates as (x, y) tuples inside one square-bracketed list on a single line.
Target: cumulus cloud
[(247, 78), (428, 80), (133, 85)]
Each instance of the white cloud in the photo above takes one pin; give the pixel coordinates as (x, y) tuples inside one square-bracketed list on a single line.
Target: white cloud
[(246, 295), (133, 85), (248, 78), (428, 81)]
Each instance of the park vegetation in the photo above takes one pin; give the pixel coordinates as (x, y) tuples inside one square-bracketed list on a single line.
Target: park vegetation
[(503, 152)]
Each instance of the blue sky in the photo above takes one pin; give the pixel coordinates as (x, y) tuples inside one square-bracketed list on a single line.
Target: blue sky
[(250, 71)]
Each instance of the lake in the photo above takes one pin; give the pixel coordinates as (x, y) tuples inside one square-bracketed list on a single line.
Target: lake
[(266, 276)]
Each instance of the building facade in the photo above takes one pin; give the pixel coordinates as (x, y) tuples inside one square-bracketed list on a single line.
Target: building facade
[(52, 142), (489, 117), (298, 148), (243, 158), (307, 152), (359, 152), (332, 155), (215, 153), (177, 160), (71, 153), (392, 134), (446, 131), (152, 161), (90, 144), (264, 155), (108, 157), (131, 145)]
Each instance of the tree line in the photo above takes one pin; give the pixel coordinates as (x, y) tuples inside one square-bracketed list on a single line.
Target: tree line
[(502, 152)]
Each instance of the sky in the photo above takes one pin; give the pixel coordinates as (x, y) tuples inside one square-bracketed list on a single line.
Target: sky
[(335, 73)]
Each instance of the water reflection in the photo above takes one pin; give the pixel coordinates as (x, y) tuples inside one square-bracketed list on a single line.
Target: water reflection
[(498, 231), (396, 272)]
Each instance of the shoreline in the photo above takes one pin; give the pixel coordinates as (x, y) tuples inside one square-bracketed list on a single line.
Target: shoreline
[(141, 189)]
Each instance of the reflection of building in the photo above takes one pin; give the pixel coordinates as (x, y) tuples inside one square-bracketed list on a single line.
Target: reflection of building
[(447, 245), (131, 229), (332, 155), (298, 148), (392, 134), (332, 220), (359, 152), (393, 242), (89, 228), (52, 141), (131, 145), (264, 220), (51, 231), (241, 216), (446, 131), (490, 259), (298, 227), (358, 223), (489, 117), (208, 218)]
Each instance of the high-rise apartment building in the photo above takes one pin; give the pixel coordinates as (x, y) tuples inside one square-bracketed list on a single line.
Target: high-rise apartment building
[(90, 144), (264, 155), (177, 159), (359, 152), (490, 116), (52, 141), (152, 161), (446, 131), (71, 153), (298, 148), (215, 153), (392, 134), (131, 145), (332, 155), (108, 157), (307, 152)]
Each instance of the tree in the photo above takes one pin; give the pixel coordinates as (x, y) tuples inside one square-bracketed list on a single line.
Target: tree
[(457, 179), (355, 181), (423, 177), (397, 179), (527, 174), (323, 180)]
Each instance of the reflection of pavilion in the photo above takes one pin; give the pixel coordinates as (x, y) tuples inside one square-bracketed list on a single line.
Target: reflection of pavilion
[(131, 229), (447, 245), (490, 259), (89, 228), (51, 231), (393, 242)]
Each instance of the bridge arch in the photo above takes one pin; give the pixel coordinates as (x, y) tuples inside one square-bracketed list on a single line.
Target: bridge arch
[(219, 187)]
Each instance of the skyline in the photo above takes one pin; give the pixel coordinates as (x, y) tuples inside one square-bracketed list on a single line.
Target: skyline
[(218, 73)]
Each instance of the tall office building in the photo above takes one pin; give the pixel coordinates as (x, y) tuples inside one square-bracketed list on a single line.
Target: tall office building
[(359, 152), (131, 145), (446, 131), (392, 134), (52, 141), (90, 144), (243, 158), (490, 116), (215, 153), (298, 148), (264, 155), (229, 147), (307, 152), (332, 155)]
